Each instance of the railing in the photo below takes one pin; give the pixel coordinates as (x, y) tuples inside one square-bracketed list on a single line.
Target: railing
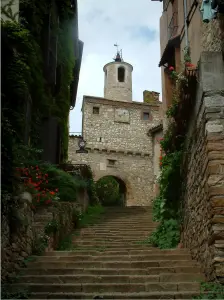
[(173, 26)]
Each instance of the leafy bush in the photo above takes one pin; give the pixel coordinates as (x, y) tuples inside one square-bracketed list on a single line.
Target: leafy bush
[(68, 185), (167, 235), (211, 290), (166, 205)]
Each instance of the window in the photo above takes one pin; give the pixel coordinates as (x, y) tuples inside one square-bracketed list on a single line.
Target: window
[(111, 162), (96, 110), (145, 115), (121, 74)]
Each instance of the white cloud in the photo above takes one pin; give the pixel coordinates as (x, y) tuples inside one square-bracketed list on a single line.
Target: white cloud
[(134, 25)]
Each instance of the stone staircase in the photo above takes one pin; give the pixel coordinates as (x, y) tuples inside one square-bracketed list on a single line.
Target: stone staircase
[(109, 262)]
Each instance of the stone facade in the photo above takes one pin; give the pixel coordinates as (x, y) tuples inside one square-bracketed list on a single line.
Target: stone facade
[(115, 89), (203, 198), (118, 144)]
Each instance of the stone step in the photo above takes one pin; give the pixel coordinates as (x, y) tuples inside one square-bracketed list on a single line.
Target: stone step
[(117, 252), (111, 247), (121, 227), (110, 264), (118, 245), (111, 236), (105, 287), (109, 271), (127, 231), (84, 239), (80, 278), (147, 221), (118, 296), (96, 258)]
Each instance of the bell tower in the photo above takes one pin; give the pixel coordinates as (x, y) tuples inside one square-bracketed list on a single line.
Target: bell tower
[(118, 79)]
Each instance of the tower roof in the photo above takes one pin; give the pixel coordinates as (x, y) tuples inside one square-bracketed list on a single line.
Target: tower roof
[(118, 56)]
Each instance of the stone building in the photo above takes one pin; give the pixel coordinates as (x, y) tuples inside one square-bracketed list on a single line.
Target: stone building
[(182, 26), (116, 129)]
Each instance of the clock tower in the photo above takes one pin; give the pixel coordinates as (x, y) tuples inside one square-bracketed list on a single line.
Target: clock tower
[(115, 140)]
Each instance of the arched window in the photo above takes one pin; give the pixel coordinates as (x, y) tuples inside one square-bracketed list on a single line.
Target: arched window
[(121, 74)]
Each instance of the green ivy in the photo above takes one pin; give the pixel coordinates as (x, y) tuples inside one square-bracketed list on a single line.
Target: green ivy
[(51, 228), (167, 206), (167, 235), (24, 82), (211, 290)]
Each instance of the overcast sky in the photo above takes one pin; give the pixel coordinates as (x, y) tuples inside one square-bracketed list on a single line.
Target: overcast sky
[(134, 25)]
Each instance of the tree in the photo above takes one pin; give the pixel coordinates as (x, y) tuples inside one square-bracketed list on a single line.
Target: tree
[(108, 191)]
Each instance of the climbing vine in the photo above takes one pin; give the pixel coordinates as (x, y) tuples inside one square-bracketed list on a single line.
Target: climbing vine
[(167, 205), (27, 98)]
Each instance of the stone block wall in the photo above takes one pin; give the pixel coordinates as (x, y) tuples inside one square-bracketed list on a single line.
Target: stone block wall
[(118, 134), (150, 97), (124, 132), (19, 242), (134, 169), (203, 196), (16, 240)]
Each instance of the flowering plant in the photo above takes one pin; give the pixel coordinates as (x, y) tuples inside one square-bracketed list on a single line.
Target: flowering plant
[(172, 72), (36, 182)]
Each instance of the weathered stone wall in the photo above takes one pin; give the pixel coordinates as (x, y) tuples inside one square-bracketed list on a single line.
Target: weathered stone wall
[(120, 133), (19, 242), (113, 89), (127, 132), (135, 170), (211, 36), (203, 198), (16, 239)]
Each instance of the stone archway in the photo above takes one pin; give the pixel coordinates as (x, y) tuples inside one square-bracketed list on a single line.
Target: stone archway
[(124, 186)]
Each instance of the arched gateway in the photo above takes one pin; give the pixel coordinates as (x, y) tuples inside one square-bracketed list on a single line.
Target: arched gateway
[(124, 187), (115, 129)]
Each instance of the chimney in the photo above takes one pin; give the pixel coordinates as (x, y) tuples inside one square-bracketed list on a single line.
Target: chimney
[(150, 97)]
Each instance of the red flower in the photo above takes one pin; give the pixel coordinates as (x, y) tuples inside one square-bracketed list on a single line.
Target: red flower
[(46, 175), (56, 190), (171, 68)]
